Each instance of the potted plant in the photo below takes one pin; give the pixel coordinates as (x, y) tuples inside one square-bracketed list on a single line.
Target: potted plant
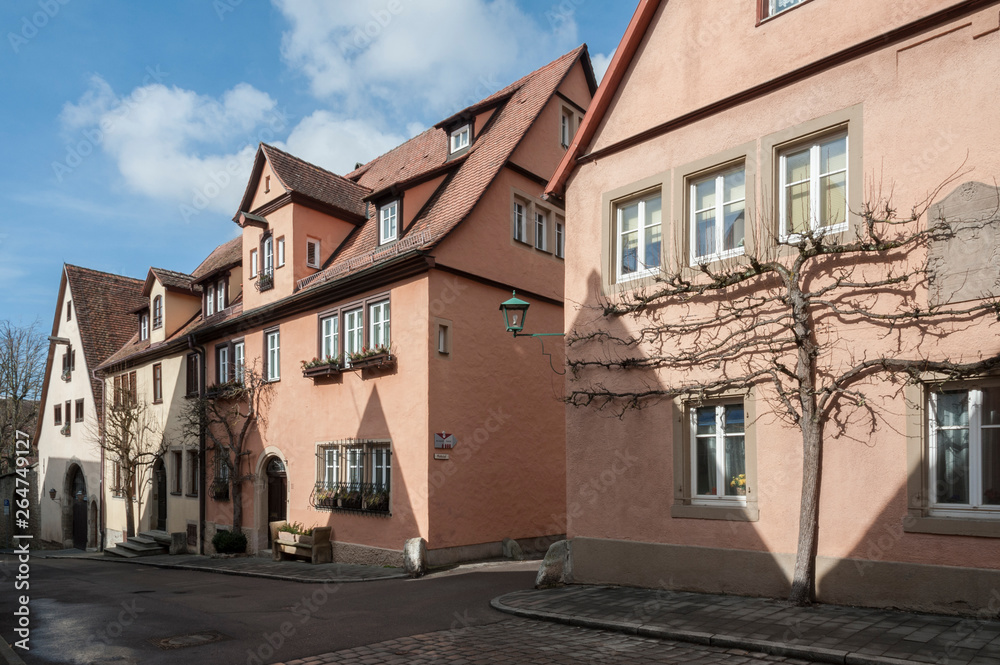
[(295, 533), (325, 366), (739, 483), (325, 498), (265, 281), (376, 356)]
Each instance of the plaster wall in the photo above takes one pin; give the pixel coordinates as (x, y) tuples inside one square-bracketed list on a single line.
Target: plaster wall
[(908, 107)]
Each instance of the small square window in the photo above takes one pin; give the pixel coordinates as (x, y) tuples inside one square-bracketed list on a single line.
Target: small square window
[(388, 216), (461, 138), (281, 252)]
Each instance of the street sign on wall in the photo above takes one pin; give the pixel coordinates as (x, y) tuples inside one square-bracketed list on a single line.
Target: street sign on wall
[(444, 441)]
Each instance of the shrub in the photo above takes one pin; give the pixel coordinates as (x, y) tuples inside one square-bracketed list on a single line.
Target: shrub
[(227, 542)]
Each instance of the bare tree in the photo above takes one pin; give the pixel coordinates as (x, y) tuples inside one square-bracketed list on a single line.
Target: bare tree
[(227, 415), (796, 318), (22, 371), (132, 440)]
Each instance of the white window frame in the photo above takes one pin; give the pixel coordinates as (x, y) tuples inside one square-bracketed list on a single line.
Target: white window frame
[(460, 138), (354, 332), (566, 128), (239, 361), (223, 361), (976, 508), (720, 207), (720, 454), (331, 467), (315, 262), (220, 296), (268, 249), (381, 467), (560, 240), (641, 270), (143, 326), (329, 336), (253, 263), (520, 222), (210, 301), (541, 231), (388, 226), (379, 325), (273, 355), (281, 252), (157, 312), (355, 467), (814, 147)]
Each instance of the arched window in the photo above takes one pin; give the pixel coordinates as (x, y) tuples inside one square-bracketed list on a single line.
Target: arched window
[(157, 312)]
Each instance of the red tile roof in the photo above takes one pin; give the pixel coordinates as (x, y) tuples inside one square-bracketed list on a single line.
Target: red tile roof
[(297, 175), (171, 279), (226, 255), (520, 105), (103, 304)]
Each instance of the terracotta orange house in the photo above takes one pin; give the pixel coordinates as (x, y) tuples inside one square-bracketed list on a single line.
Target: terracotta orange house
[(400, 407), (724, 128)]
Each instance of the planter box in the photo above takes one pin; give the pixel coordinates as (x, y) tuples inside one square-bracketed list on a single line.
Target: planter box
[(381, 360), (321, 370), (294, 538)]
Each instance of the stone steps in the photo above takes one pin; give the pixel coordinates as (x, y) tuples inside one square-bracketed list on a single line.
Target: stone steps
[(147, 543)]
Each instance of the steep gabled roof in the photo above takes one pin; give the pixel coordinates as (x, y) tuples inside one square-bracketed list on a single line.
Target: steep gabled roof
[(226, 255), (467, 178), (299, 177), (103, 304), (171, 280), (641, 20)]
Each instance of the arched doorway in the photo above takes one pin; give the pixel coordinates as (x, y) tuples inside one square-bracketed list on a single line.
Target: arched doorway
[(277, 493), (160, 496), (78, 500)]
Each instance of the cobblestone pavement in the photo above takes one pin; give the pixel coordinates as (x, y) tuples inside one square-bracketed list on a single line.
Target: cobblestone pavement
[(295, 571), (826, 632), (525, 642)]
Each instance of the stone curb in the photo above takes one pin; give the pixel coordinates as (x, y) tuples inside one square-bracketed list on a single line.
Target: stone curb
[(784, 649), (7, 654), (246, 573)]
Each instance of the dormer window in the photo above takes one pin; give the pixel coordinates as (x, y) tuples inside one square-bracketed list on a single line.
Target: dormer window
[(210, 301), (461, 138), (312, 253), (144, 326), (388, 217), (220, 296), (157, 312)]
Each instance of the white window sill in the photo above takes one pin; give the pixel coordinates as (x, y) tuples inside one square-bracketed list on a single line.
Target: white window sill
[(977, 525), (704, 260)]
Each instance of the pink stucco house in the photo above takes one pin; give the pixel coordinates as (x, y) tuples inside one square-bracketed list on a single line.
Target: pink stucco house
[(731, 129), (399, 406)]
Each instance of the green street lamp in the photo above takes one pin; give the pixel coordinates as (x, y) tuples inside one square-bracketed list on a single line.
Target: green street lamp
[(514, 311)]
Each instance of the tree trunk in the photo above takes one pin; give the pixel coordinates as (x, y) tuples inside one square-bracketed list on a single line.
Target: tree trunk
[(804, 579), (129, 514)]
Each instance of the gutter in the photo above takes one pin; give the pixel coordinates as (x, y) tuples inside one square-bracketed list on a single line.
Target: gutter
[(202, 489)]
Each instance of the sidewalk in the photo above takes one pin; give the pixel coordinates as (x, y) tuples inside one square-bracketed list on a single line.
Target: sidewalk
[(292, 571), (823, 633)]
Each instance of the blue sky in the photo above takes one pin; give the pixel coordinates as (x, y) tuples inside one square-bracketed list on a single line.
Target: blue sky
[(128, 128)]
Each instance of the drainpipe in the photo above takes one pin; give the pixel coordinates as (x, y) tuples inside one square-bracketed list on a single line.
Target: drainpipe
[(202, 489), (100, 418)]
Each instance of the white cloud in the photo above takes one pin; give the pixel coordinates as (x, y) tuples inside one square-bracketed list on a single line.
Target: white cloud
[(601, 63), (394, 54), (337, 144), (175, 144)]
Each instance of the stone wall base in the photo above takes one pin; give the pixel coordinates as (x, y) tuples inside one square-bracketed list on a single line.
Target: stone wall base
[(366, 555), (445, 556), (881, 584)]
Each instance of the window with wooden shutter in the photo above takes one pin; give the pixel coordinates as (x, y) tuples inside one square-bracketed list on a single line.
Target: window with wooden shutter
[(312, 253)]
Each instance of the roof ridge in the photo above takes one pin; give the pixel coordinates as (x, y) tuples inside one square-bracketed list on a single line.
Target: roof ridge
[(101, 272), (268, 146)]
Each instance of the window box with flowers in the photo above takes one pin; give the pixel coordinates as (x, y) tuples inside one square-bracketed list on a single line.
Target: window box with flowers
[(265, 281), (320, 367), (377, 356)]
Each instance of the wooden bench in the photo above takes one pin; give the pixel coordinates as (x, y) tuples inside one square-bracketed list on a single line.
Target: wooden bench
[(316, 548)]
